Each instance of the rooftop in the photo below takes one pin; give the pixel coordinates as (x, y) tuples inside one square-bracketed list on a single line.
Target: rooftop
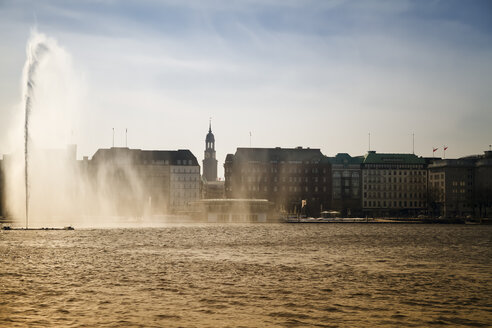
[(138, 156), (392, 158), (278, 154)]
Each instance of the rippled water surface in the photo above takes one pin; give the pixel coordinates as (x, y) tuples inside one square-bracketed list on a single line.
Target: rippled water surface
[(326, 275)]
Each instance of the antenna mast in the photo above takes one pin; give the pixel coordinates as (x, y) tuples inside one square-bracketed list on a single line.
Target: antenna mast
[(413, 143)]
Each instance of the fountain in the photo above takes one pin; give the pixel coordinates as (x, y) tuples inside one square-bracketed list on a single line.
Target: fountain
[(35, 51)]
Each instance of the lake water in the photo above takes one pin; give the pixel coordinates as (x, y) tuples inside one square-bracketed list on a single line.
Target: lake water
[(275, 275)]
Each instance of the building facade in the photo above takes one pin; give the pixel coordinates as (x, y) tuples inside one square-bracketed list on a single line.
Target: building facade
[(144, 182), (393, 184), (296, 180), (461, 187), (346, 184), (209, 161), (213, 190), (185, 180)]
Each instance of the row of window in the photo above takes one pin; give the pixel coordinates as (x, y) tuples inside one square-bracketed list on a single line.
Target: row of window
[(393, 195), (182, 195), (275, 170), (337, 193), (346, 183), (393, 166), (195, 169), (346, 174), (389, 187), (394, 204), (282, 179), (394, 180), (185, 178), (395, 172), (184, 186), (283, 188)]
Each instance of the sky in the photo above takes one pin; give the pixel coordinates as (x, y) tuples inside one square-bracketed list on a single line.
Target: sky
[(319, 74)]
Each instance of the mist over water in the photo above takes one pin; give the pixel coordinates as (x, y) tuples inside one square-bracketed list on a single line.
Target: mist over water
[(44, 181), (35, 51)]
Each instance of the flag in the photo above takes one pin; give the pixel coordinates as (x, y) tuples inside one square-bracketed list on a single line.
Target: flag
[(434, 149), (445, 148)]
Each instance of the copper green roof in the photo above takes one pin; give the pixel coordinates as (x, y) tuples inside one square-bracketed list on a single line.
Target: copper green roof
[(344, 158), (390, 158)]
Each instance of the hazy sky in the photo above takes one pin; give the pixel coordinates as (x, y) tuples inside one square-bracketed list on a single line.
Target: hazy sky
[(320, 74)]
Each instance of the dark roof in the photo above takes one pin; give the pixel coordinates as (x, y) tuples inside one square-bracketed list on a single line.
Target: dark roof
[(138, 156), (391, 158), (278, 154), (210, 136), (453, 163), (229, 158), (344, 158)]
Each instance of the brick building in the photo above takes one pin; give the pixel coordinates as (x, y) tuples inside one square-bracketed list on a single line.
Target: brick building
[(296, 180)]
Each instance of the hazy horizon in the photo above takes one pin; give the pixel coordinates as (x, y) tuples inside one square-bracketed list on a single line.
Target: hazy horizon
[(319, 74)]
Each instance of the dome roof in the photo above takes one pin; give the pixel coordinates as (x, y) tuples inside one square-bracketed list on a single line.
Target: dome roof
[(210, 137)]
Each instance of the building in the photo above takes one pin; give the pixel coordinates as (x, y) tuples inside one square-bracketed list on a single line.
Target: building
[(138, 182), (236, 210), (213, 190), (296, 180), (461, 187), (209, 161), (393, 184), (483, 186), (346, 184)]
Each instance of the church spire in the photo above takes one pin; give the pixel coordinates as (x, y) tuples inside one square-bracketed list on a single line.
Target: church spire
[(209, 161)]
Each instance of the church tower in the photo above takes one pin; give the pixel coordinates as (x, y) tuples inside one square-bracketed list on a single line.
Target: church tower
[(210, 163)]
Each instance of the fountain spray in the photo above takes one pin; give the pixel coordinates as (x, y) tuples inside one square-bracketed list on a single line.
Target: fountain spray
[(35, 51)]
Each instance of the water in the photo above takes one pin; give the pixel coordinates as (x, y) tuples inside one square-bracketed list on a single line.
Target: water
[(276, 275), (36, 49)]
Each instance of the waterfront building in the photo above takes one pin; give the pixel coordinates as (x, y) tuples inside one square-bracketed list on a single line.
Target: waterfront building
[(209, 161), (296, 180), (346, 184), (393, 184), (235, 210), (461, 187), (213, 190), (146, 181), (483, 185)]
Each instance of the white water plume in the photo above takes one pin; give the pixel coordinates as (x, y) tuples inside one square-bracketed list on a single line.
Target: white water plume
[(44, 181), (37, 176)]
